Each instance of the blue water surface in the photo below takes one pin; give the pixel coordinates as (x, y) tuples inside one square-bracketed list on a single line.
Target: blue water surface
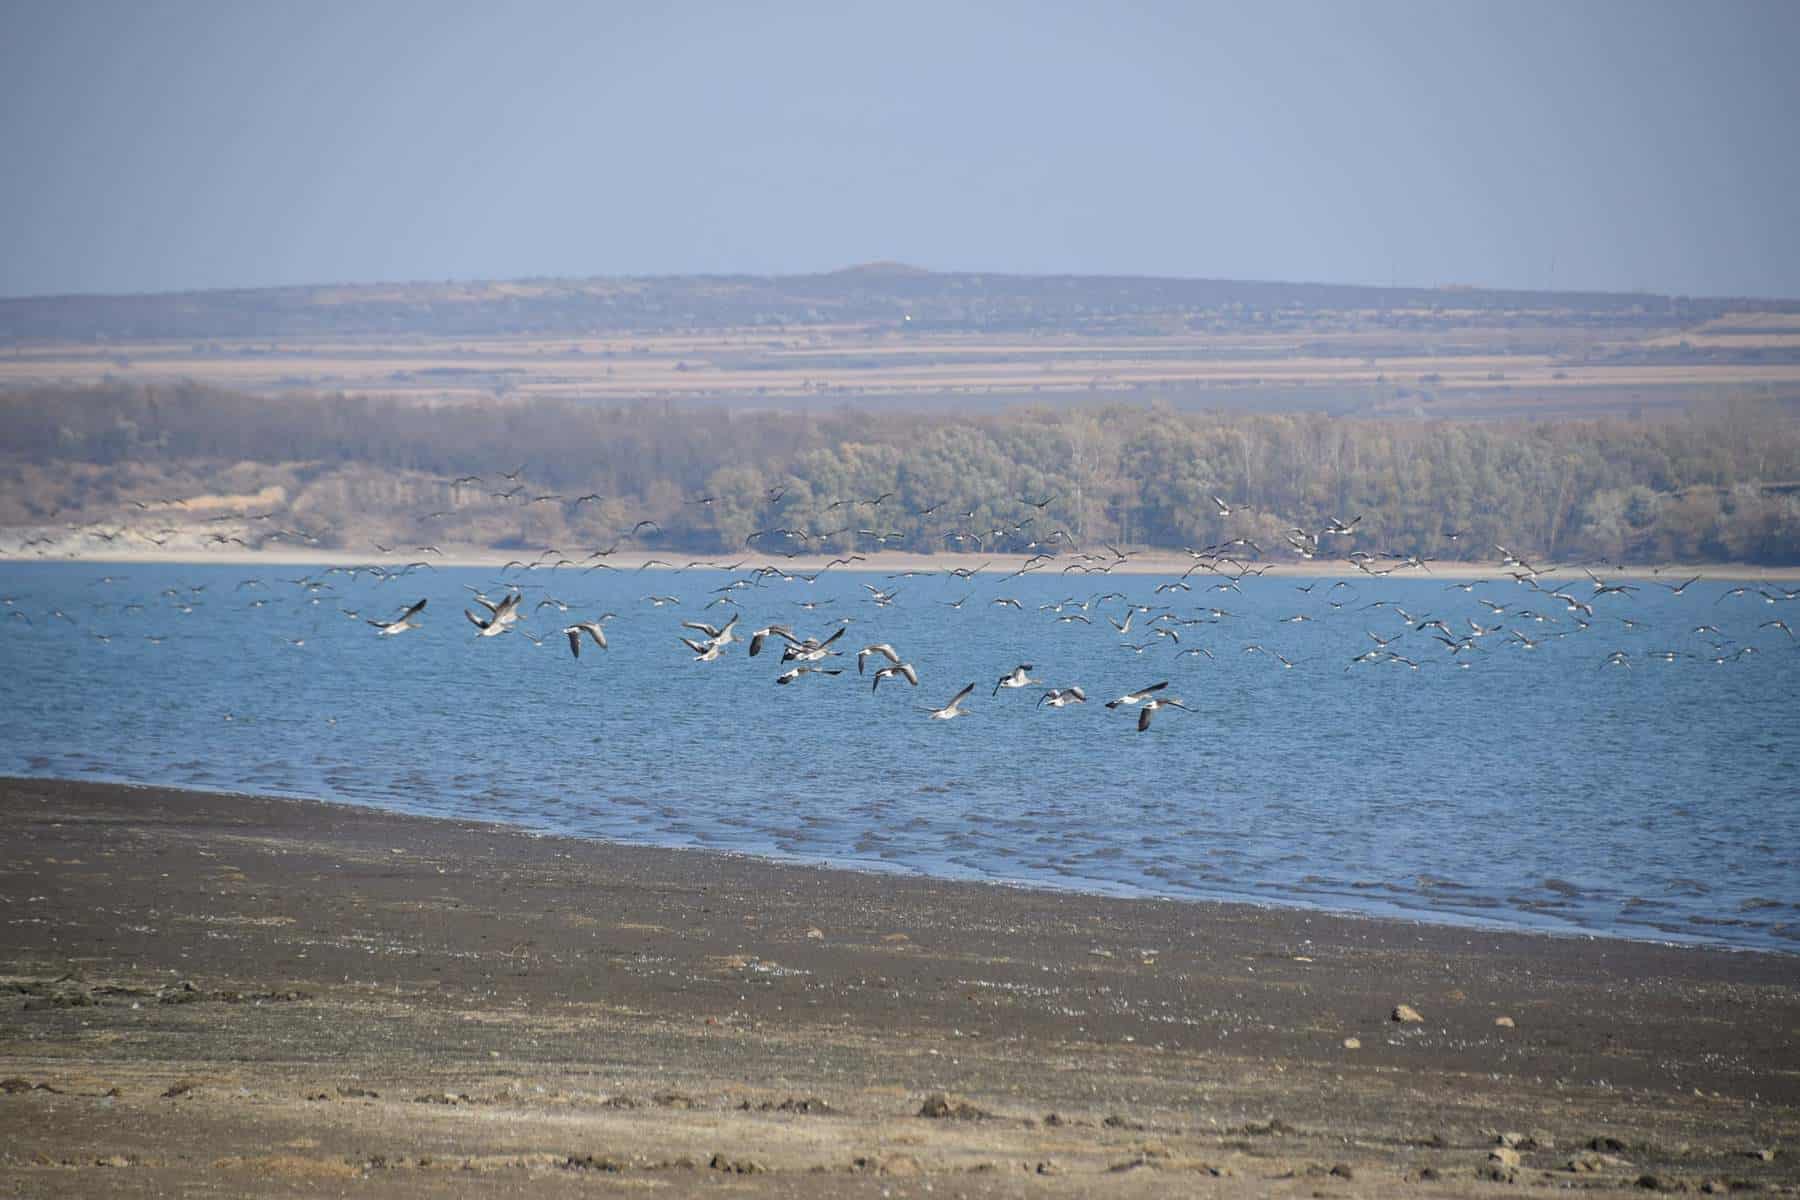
[(1507, 787)]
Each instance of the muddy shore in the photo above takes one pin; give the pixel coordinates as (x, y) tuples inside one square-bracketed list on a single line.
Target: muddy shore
[(224, 995)]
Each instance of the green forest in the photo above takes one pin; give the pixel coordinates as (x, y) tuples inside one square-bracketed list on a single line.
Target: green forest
[(1711, 485)]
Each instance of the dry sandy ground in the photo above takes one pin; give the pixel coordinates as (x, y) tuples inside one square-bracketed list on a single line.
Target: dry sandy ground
[(209, 995)]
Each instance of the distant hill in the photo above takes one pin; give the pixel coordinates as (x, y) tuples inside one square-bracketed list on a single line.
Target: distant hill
[(870, 292)]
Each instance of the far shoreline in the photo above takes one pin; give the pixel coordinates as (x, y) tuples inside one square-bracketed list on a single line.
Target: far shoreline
[(1161, 562)]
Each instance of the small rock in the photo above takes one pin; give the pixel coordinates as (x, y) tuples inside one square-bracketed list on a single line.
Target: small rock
[(1504, 1155), (1764, 1155), (1048, 1168), (1606, 1145), (939, 1107), (1649, 1182), (793, 1104), (815, 934), (1505, 1022), (591, 1162), (1498, 1173), (113, 1160), (1343, 1171), (1132, 1164), (1428, 1175), (887, 1164), (1275, 1126), (737, 1166), (1351, 1043), (1407, 1014), (1584, 1164)]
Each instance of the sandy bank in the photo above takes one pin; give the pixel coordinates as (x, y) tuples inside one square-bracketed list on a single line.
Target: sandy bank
[(262, 997)]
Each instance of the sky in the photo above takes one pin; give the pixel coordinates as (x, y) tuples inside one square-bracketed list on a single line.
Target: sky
[(155, 146)]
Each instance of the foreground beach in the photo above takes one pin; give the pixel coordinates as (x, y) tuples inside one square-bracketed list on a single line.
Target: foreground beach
[(230, 995)]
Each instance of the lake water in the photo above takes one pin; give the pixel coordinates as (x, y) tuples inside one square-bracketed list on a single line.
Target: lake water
[(1535, 789)]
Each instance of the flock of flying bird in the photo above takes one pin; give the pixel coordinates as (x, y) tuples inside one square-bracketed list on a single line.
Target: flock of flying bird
[(1547, 606)]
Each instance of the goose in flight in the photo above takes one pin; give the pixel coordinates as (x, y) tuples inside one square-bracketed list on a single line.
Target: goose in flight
[(703, 651), (591, 628), (1063, 697), (1130, 699), (954, 708), (1150, 707), (501, 618), (400, 624), (881, 648), (758, 637), (900, 669), (793, 673), (880, 598), (721, 637), (811, 649), (1018, 677)]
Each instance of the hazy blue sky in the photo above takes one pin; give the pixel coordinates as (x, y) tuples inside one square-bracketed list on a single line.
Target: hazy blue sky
[(160, 146)]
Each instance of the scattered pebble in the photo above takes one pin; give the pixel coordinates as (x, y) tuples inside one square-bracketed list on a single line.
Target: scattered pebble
[(1505, 1022), (1351, 1043), (1407, 1014)]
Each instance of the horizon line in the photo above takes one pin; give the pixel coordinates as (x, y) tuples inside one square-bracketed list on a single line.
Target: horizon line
[(896, 269)]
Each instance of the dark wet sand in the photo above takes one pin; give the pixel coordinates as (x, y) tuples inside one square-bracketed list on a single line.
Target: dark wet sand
[(222, 995)]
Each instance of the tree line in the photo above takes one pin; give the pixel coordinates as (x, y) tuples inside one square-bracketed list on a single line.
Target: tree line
[(1716, 484)]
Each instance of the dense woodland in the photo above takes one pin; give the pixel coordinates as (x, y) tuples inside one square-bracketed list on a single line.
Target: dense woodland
[(345, 470)]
